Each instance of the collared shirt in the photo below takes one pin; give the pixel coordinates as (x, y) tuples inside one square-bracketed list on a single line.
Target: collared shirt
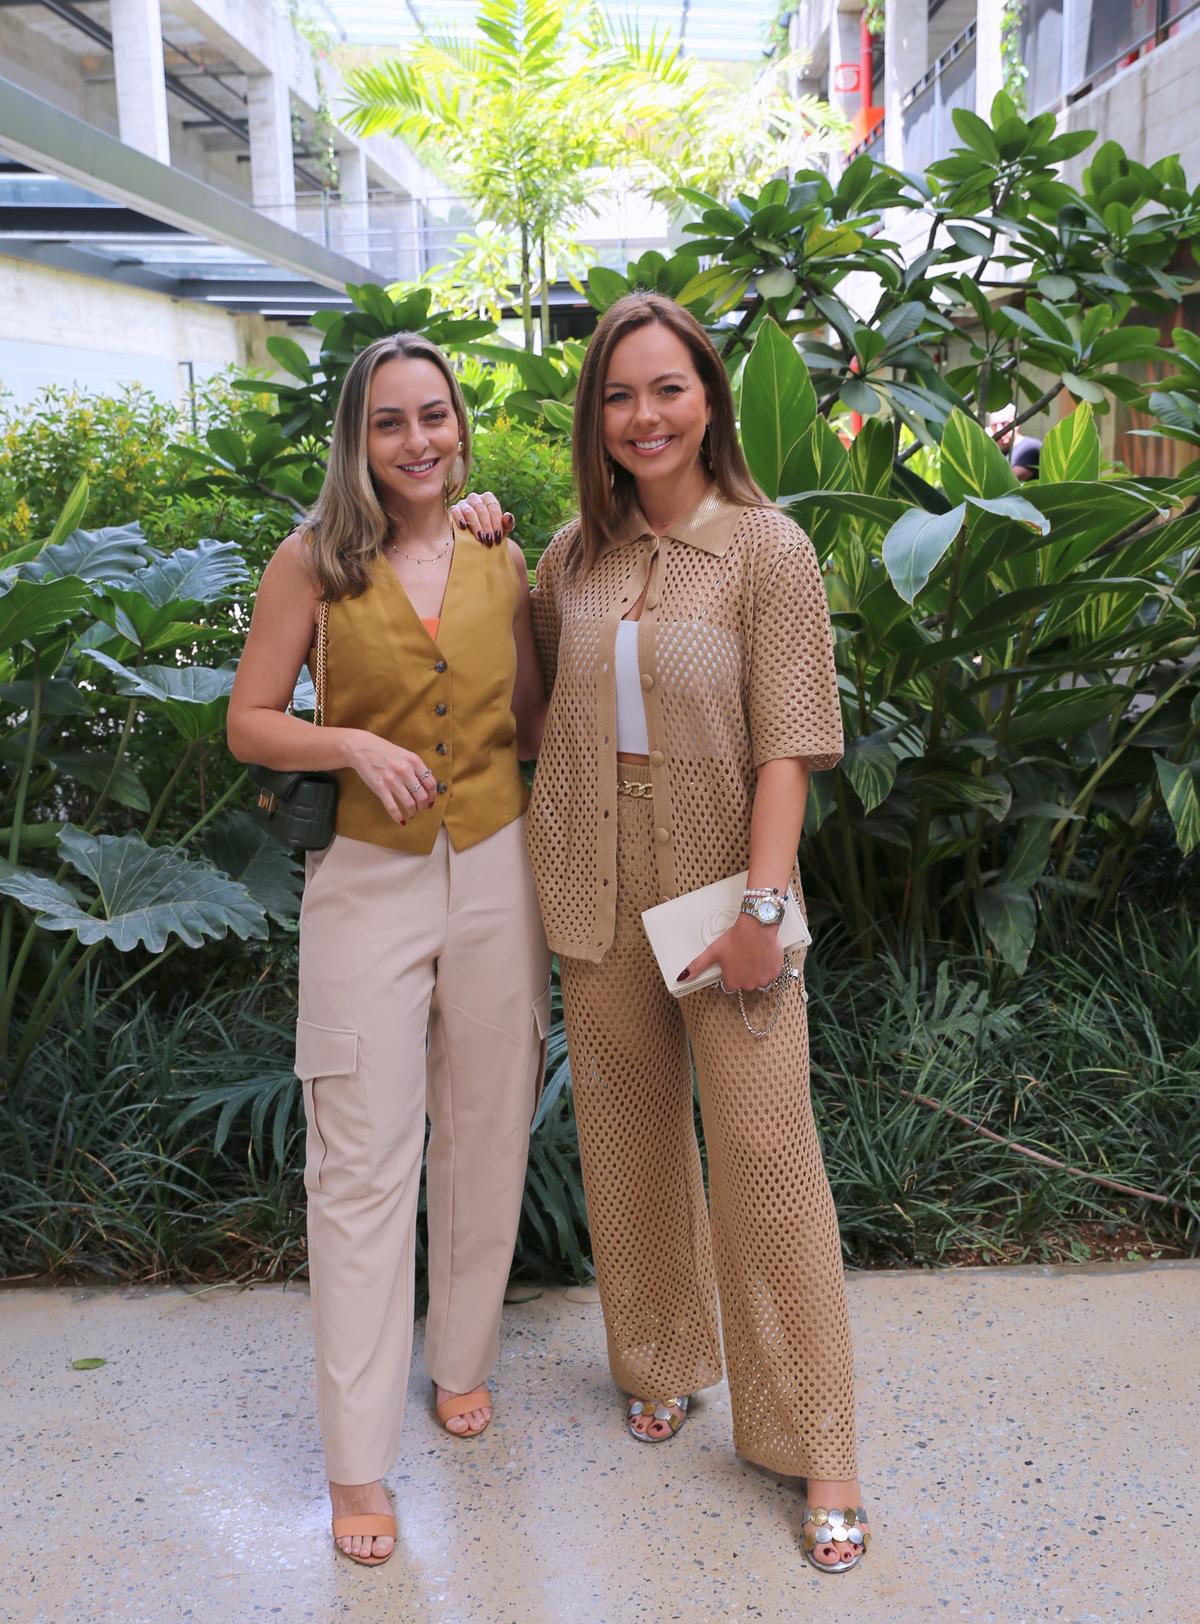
[(736, 657)]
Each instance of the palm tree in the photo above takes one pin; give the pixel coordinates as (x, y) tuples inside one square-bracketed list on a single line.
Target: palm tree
[(526, 117)]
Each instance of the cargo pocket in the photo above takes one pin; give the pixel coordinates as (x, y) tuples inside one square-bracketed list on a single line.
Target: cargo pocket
[(540, 1035), (337, 1151)]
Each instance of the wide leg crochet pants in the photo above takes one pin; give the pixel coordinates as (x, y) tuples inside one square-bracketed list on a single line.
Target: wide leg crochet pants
[(772, 1246)]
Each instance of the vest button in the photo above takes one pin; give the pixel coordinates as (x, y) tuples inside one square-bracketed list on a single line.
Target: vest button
[(440, 748), (647, 681), (440, 710), (440, 666), (442, 787), (657, 758), (662, 836)]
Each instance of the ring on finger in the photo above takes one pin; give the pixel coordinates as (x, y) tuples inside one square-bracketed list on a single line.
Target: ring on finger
[(425, 773)]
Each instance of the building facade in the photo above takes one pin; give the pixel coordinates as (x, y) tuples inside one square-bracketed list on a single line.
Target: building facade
[(175, 184)]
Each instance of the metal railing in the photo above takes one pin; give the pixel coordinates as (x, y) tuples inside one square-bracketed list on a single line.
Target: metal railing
[(1072, 47)]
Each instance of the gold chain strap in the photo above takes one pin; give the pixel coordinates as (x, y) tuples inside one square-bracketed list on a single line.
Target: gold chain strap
[(322, 651)]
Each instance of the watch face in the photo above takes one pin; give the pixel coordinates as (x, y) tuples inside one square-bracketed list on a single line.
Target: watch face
[(768, 912)]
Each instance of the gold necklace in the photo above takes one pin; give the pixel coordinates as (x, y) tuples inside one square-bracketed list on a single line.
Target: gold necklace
[(394, 547)]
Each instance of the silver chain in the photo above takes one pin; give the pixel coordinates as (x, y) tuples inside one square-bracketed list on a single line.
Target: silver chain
[(780, 986)]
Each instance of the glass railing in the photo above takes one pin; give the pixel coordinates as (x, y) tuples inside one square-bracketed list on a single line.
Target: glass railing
[(926, 111)]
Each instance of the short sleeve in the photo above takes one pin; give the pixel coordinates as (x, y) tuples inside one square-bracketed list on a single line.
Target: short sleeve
[(793, 694), (544, 603)]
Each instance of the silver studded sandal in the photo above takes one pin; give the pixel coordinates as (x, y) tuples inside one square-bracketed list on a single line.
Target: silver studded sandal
[(659, 1410), (822, 1528)]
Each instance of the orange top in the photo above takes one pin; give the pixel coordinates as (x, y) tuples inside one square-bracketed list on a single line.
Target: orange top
[(431, 624)]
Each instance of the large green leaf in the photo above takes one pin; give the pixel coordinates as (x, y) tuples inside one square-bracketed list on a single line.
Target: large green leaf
[(204, 573), (245, 851), (956, 791), (778, 404), (194, 697), (146, 894), (1061, 712), (1071, 450), (916, 544), (1179, 792), (1030, 852), (972, 464), (1008, 915), (111, 556), (870, 765), (30, 610), (96, 770)]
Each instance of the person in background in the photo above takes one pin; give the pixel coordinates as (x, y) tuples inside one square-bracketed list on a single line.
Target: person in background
[(424, 973), (1026, 458)]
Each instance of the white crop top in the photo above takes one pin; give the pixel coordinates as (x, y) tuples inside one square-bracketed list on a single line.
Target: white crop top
[(631, 706)]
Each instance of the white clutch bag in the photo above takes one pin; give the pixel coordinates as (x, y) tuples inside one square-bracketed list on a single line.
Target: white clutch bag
[(681, 929)]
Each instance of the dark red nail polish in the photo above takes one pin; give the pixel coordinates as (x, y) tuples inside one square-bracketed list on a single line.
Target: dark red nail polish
[(683, 975)]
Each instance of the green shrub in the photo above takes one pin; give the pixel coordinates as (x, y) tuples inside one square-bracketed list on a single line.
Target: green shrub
[(125, 446), (530, 471), (161, 1134)]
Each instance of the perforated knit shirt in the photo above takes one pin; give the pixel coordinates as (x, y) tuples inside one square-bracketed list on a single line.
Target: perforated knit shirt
[(736, 661)]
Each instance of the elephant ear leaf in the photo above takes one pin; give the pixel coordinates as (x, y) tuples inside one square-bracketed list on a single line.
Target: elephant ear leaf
[(244, 850), (146, 894), (111, 556), (204, 573), (194, 698)]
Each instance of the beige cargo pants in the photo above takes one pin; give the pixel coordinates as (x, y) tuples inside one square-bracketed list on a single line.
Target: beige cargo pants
[(424, 988)]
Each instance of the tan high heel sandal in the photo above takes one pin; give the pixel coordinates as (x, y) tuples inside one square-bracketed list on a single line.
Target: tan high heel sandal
[(370, 1523), (479, 1399)]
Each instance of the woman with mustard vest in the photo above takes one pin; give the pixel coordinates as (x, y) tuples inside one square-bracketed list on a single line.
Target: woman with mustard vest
[(423, 966)]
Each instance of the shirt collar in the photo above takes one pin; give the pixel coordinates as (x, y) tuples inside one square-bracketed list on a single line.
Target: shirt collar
[(709, 526)]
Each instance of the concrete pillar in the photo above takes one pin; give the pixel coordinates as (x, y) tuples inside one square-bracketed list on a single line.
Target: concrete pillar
[(141, 81), (989, 61), (272, 168), (843, 53), (905, 59), (355, 224)]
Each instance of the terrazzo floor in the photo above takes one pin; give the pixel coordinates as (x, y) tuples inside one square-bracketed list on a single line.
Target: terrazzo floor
[(1026, 1436)]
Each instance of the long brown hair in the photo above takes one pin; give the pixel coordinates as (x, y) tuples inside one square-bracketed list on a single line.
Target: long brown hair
[(606, 490), (348, 527)]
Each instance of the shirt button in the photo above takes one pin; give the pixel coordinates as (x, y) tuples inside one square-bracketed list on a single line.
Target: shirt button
[(662, 836), (440, 710), (440, 666), (657, 758), (440, 748), (442, 787), (647, 681)]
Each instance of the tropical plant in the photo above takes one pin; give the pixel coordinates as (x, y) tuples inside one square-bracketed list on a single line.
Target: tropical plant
[(518, 115), (280, 453), (99, 632), (531, 469)]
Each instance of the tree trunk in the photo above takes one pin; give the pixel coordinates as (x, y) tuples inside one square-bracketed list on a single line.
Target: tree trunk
[(526, 278), (545, 294)]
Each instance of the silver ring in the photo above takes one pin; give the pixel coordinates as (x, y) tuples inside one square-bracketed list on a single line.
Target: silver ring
[(728, 991), (425, 773)]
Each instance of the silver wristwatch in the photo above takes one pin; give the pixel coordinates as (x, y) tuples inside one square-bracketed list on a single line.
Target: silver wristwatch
[(766, 907)]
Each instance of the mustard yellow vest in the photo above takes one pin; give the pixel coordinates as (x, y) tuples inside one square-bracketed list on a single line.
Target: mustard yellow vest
[(449, 700)]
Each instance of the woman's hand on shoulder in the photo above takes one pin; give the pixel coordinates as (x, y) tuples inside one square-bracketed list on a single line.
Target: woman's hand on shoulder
[(482, 515)]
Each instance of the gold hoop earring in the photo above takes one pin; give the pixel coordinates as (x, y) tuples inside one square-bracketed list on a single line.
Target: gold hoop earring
[(612, 474)]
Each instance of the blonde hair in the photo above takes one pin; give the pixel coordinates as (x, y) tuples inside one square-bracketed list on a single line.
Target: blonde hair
[(606, 490), (347, 527)]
